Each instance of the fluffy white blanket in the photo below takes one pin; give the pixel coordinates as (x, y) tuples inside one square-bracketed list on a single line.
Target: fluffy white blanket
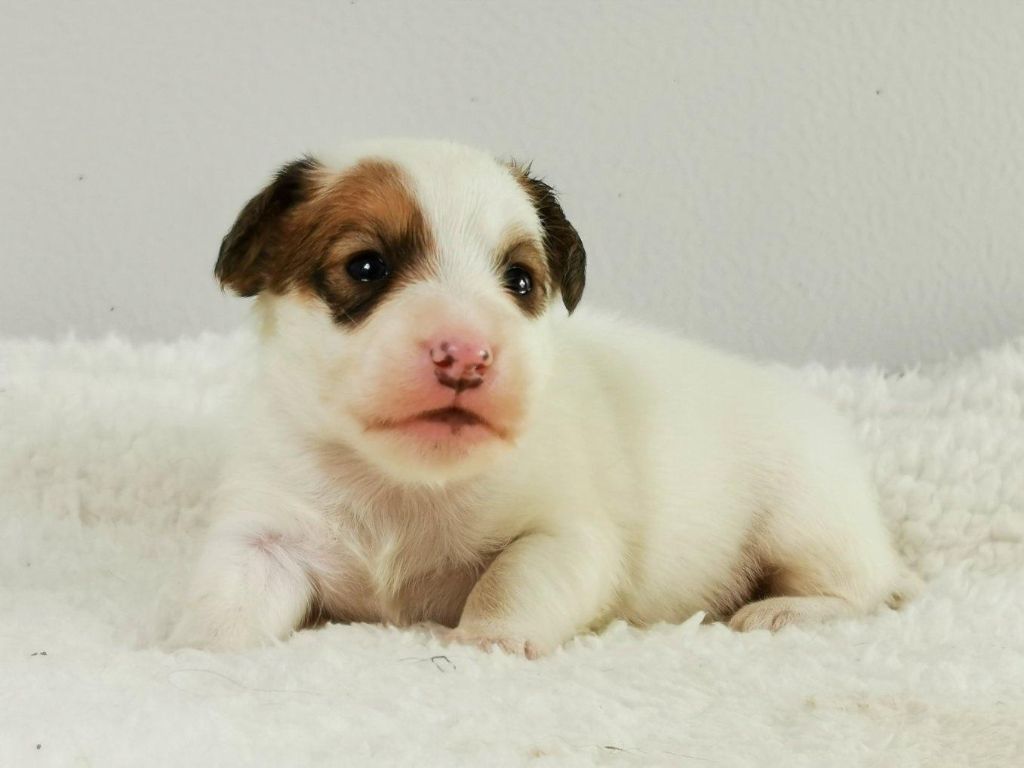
[(107, 454)]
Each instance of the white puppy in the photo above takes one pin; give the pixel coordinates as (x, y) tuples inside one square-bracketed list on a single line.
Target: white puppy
[(435, 439)]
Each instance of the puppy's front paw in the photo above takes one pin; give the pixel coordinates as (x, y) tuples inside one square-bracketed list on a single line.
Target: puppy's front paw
[(489, 640)]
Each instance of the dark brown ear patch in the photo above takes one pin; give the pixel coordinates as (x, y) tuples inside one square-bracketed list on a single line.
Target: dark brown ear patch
[(564, 248), (247, 259)]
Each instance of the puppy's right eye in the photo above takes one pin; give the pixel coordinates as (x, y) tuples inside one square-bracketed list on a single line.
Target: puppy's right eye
[(367, 267)]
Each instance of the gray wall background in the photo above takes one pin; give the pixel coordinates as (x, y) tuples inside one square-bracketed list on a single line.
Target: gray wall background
[(838, 181)]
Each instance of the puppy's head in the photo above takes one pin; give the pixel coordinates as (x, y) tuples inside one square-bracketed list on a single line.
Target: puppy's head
[(407, 291)]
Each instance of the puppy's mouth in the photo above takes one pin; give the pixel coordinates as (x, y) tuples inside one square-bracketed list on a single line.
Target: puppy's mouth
[(452, 419)]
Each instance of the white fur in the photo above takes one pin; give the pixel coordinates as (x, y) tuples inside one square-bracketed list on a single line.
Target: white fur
[(644, 477), (108, 461)]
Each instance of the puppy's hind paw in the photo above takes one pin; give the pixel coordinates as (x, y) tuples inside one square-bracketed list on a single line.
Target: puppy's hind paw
[(907, 588), (758, 616), (774, 613)]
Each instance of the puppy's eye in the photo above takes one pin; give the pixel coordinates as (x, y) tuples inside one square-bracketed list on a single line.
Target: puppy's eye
[(367, 267), (518, 280)]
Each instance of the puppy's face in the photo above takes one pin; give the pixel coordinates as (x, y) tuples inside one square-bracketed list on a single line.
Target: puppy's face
[(407, 292)]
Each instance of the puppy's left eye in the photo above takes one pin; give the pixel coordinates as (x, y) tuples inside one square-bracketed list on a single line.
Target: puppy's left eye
[(367, 267), (518, 280)]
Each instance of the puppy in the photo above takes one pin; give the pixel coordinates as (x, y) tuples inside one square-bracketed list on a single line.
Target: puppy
[(434, 439)]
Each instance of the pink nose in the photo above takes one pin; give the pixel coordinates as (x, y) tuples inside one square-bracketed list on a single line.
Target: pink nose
[(460, 364)]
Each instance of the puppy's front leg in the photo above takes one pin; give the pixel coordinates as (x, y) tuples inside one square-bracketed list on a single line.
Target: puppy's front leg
[(541, 590), (252, 585)]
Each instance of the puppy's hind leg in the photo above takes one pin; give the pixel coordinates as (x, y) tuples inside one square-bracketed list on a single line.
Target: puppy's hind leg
[(821, 581), (825, 554)]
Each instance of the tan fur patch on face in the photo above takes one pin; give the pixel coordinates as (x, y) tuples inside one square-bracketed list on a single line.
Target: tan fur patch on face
[(519, 249), (303, 230), (367, 213)]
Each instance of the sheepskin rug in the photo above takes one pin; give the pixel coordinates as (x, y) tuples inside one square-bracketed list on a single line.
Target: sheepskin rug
[(108, 452)]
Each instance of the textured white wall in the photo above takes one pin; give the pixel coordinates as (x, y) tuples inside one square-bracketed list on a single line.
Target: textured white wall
[(841, 181)]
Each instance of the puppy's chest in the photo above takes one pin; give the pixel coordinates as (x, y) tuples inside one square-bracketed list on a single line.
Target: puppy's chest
[(400, 563)]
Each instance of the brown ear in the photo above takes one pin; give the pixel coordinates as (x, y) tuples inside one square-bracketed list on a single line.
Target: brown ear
[(247, 253), (565, 251)]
